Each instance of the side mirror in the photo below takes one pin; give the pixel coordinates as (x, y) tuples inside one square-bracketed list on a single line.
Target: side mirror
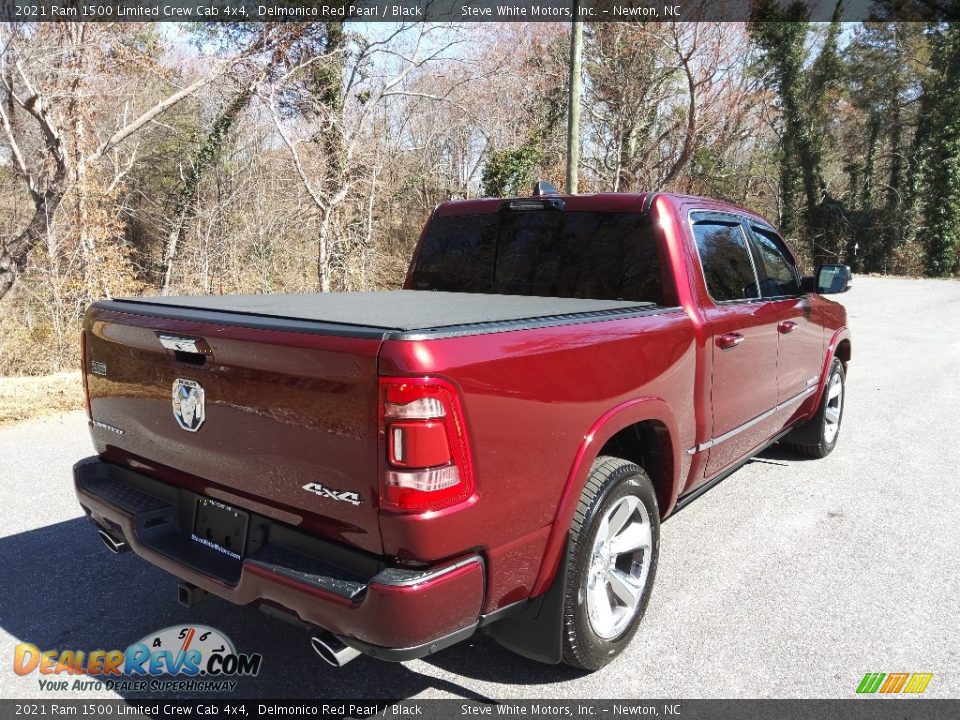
[(834, 279), (830, 279)]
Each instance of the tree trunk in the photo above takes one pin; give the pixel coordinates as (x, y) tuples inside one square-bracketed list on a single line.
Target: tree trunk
[(14, 253), (201, 160), (691, 127), (323, 254), (894, 233), (8, 270), (573, 105), (92, 271), (866, 189)]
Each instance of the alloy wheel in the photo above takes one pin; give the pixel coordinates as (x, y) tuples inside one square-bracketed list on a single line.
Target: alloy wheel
[(831, 425), (619, 564)]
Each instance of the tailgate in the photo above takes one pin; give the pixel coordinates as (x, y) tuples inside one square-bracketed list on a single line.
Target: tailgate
[(280, 422)]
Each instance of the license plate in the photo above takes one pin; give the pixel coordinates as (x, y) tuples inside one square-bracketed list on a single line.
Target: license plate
[(220, 527)]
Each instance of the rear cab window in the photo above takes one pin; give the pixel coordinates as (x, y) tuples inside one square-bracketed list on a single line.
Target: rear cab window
[(457, 254), (548, 253)]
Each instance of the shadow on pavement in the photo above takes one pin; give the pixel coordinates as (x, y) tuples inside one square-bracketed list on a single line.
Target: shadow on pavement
[(781, 454), (63, 590)]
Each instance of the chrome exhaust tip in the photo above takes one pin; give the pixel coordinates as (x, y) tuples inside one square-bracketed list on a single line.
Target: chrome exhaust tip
[(333, 650), (114, 544)]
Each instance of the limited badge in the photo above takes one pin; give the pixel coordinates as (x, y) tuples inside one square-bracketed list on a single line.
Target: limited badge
[(188, 404)]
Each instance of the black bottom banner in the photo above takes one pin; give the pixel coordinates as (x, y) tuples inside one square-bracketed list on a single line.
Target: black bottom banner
[(853, 709)]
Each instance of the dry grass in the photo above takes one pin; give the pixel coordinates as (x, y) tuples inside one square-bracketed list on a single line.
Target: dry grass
[(22, 398)]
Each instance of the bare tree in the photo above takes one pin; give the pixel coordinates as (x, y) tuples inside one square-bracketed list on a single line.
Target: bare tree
[(333, 176), (661, 92), (54, 109), (289, 157)]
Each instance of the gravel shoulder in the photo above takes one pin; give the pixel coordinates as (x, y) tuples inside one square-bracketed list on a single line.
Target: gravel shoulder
[(25, 398)]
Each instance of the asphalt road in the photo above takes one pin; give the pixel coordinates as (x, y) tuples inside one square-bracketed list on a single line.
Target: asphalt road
[(792, 578)]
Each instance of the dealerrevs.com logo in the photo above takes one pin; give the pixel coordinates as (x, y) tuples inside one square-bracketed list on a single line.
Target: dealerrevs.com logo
[(193, 658)]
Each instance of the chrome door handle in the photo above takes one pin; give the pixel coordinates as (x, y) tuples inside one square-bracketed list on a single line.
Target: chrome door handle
[(786, 326), (729, 341)]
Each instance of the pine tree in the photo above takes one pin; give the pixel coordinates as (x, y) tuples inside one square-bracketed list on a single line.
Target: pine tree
[(941, 181)]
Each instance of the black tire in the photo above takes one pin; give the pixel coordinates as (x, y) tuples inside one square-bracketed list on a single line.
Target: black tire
[(811, 439), (610, 480)]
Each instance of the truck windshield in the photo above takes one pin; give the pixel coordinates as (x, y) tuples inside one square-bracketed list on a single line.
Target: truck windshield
[(602, 256)]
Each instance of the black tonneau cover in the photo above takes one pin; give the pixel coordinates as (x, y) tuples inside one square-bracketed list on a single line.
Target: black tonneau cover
[(386, 313)]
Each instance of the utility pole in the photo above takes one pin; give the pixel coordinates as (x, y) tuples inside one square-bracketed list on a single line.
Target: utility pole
[(573, 110)]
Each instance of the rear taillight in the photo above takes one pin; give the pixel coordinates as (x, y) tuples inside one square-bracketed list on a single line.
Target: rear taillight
[(427, 464), (83, 372)]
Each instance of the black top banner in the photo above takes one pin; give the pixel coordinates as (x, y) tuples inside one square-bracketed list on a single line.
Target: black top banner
[(548, 709), (475, 10)]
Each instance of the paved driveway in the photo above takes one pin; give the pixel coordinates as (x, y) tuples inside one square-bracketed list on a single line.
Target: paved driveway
[(791, 579)]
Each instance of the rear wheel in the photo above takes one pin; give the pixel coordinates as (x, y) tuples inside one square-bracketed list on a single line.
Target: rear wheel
[(818, 437), (611, 563)]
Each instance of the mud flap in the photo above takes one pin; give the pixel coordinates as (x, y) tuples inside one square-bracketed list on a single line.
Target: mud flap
[(537, 633), (807, 434), (811, 432)]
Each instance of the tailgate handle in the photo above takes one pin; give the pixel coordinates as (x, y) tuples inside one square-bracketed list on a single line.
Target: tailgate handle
[(191, 350)]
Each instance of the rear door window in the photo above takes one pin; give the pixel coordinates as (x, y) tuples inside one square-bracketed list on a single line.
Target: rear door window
[(727, 265)]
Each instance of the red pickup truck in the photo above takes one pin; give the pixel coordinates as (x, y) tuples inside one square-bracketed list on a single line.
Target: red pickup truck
[(494, 446)]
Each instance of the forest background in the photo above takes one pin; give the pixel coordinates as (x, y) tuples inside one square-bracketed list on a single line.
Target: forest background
[(256, 158)]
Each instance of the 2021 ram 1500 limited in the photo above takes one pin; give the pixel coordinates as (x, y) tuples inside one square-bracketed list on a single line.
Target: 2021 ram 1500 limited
[(496, 445)]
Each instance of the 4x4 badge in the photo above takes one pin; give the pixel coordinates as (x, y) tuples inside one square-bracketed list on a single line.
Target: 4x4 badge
[(341, 495)]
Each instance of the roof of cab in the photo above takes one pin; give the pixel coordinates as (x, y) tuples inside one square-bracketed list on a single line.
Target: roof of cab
[(595, 202)]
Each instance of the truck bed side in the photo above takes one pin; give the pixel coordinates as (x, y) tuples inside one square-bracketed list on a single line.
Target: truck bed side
[(533, 397)]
